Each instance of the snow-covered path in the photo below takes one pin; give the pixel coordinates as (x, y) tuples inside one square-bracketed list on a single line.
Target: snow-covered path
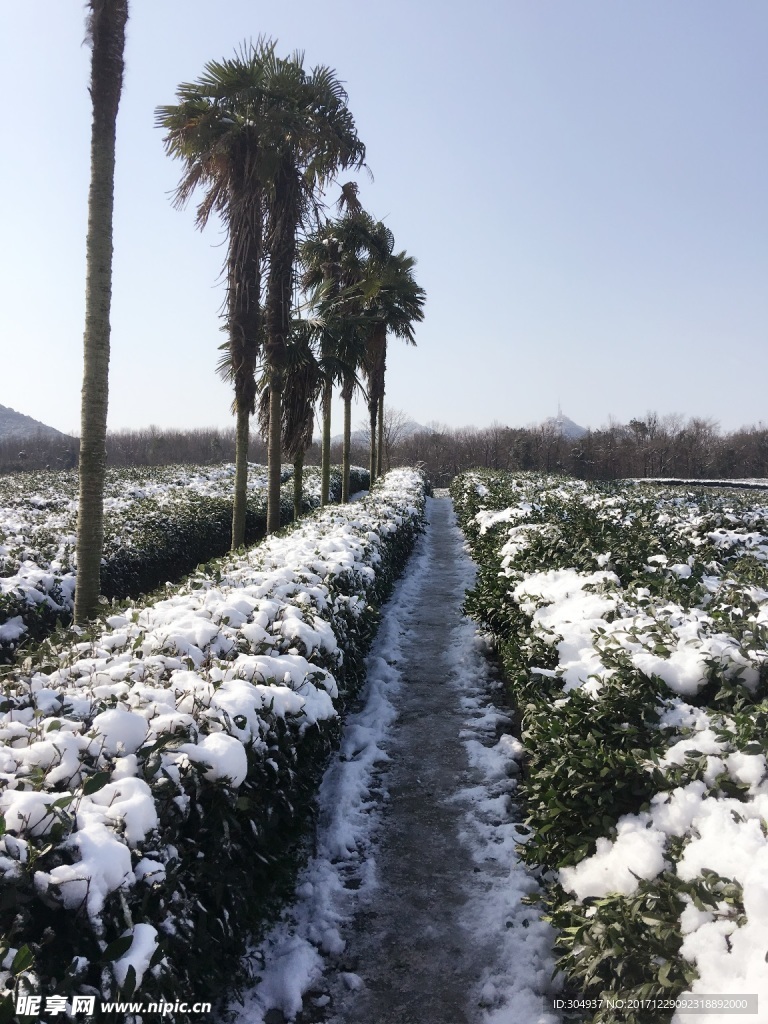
[(410, 910)]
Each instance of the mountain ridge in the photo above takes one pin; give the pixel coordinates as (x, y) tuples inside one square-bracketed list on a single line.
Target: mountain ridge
[(16, 426)]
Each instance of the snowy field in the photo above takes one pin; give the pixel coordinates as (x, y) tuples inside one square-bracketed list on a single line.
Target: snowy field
[(38, 511), (175, 725), (159, 523), (633, 622)]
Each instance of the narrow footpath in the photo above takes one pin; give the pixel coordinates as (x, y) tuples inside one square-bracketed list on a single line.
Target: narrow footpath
[(410, 912)]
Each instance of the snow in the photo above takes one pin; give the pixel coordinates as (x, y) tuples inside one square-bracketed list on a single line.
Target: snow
[(138, 955), (563, 608), (120, 730), (149, 870), (212, 663), (224, 757), (208, 662), (27, 811), (486, 520), (563, 588), (12, 629), (731, 959), (712, 629), (295, 966), (128, 802), (103, 865), (298, 952), (518, 987), (293, 950), (38, 531), (616, 866)]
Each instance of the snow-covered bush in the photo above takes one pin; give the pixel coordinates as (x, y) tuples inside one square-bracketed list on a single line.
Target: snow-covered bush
[(159, 524), (155, 777), (633, 626)]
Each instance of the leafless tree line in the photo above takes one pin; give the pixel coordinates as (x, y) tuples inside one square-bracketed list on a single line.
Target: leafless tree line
[(151, 446), (669, 446), (666, 446)]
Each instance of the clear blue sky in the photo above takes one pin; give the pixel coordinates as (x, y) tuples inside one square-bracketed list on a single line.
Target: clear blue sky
[(582, 182)]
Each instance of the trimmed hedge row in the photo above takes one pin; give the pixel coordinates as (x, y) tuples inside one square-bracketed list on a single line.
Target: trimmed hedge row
[(152, 535), (156, 774), (632, 624)]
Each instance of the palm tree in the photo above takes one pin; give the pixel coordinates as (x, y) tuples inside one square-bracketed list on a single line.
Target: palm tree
[(217, 130), (337, 260), (394, 303), (303, 385), (320, 256), (106, 32), (260, 135), (333, 265), (316, 139)]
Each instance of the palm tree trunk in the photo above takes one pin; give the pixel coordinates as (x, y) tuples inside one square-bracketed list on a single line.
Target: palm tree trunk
[(241, 476), (346, 394), (381, 370), (372, 409), (375, 371), (284, 216), (325, 478), (244, 321), (107, 33), (380, 448), (274, 452), (298, 486)]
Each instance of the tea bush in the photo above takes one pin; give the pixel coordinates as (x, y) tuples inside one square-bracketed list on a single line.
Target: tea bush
[(159, 524), (157, 773), (631, 624)]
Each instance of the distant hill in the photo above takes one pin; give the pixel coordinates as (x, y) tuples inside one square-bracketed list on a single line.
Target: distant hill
[(360, 436), (565, 426), (15, 426)]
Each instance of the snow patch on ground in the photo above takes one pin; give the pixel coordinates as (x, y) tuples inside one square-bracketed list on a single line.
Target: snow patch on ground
[(292, 953), (517, 987)]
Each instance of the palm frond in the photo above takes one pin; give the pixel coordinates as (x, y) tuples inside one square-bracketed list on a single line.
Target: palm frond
[(258, 138), (348, 200)]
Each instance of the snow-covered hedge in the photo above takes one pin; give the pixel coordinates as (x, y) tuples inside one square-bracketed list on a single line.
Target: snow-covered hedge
[(155, 777), (159, 524), (633, 626)]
